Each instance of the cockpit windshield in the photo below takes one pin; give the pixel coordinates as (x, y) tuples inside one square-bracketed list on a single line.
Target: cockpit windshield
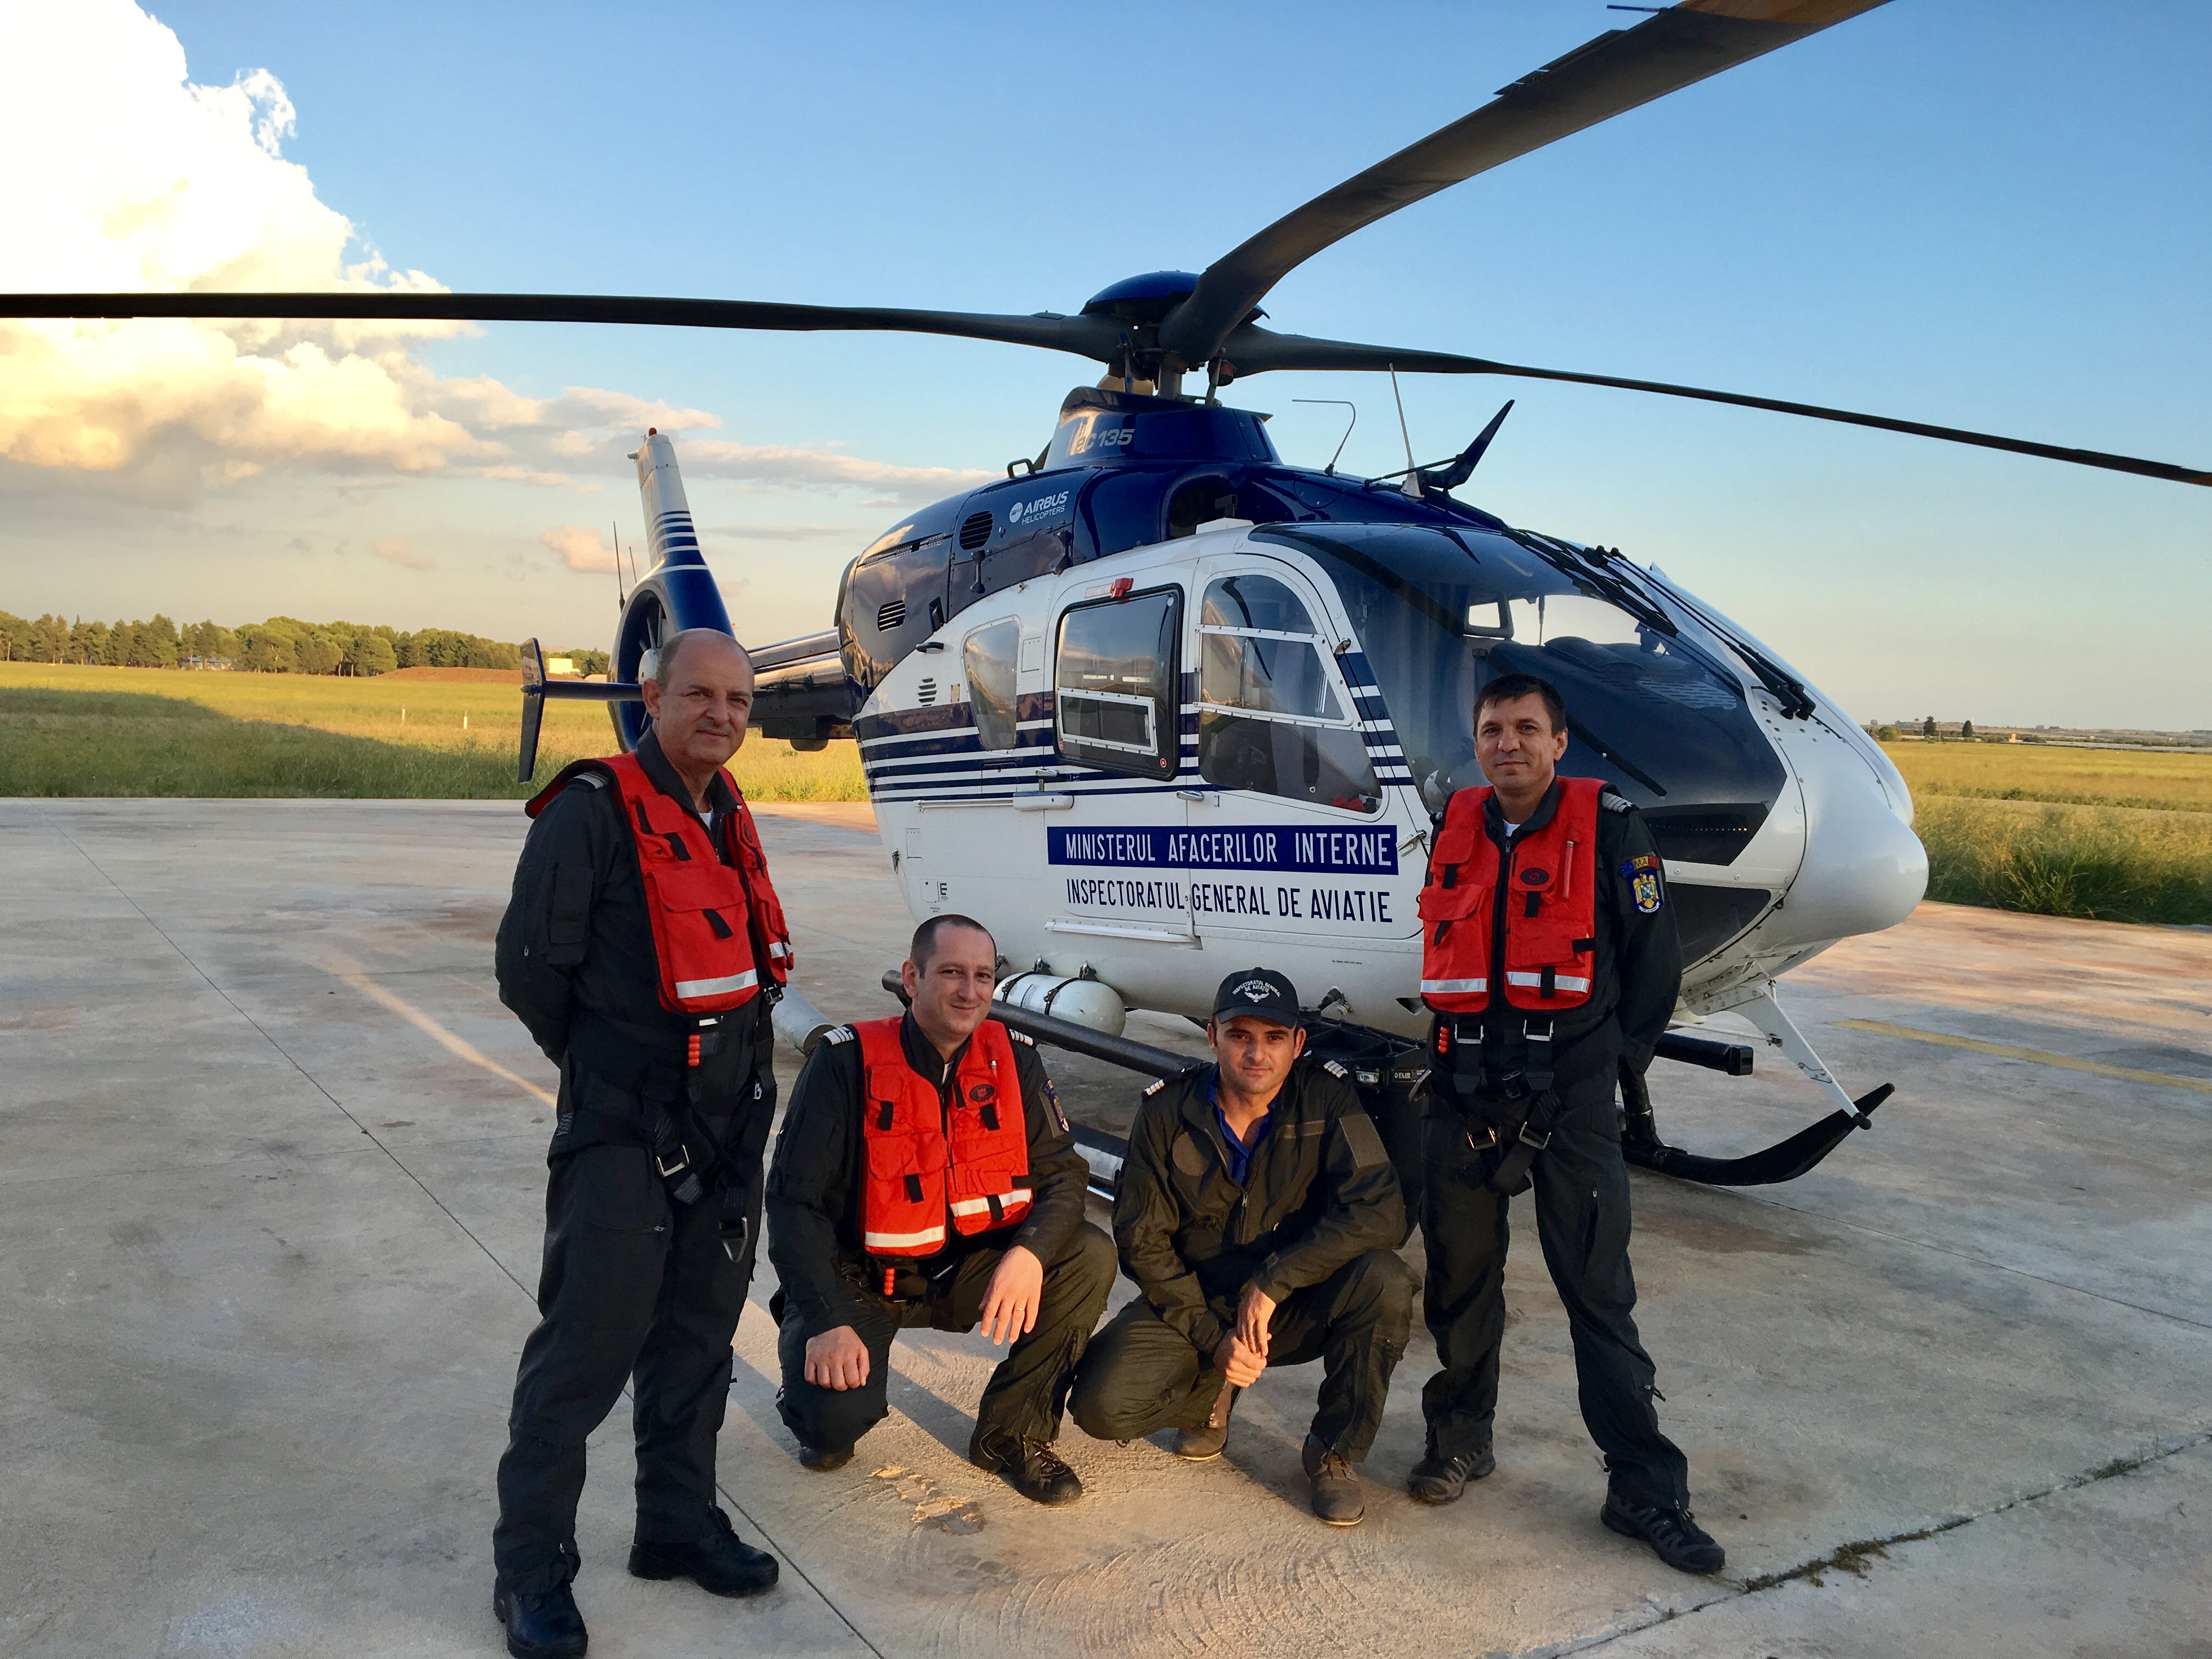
[(1438, 613)]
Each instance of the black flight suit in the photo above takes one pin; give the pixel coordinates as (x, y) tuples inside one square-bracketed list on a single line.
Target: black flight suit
[(1315, 1226), (633, 1284), (815, 1187), (1581, 1181)]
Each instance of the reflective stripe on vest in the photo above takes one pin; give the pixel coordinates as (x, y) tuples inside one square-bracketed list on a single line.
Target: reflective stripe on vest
[(1549, 904), (705, 914), (928, 1165)]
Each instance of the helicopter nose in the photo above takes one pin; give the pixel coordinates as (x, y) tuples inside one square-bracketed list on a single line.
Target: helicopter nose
[(1863, 868)]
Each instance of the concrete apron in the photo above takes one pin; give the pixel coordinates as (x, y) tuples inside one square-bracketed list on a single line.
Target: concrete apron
[(272, 1157)]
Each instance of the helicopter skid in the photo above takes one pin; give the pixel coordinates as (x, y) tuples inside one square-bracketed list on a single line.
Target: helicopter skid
[(1785, 1160)]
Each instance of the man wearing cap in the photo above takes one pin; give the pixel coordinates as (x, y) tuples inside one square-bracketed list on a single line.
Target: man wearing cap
[(1257, 1215)]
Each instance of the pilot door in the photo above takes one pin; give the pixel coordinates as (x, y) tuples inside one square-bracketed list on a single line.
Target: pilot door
[(1292, 839)]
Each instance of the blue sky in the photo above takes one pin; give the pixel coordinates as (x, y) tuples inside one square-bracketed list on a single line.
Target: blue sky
[(1989, 216)]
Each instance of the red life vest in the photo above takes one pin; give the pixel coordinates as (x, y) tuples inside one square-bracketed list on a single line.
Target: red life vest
[(698, 904), (925, 1164), (1550, 912)]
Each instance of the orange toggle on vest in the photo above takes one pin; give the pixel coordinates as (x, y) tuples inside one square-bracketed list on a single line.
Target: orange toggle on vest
[(926, 1166), (705, 915), (1548, 909)]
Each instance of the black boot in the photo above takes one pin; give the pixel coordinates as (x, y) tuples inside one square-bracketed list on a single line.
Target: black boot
[(719, 1563), (1440, 1480), (1671, 1531), (1031, 1468), (543, 1625)]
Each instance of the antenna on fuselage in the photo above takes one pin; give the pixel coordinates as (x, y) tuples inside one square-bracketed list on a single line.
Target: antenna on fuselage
[(1347, 438), (614, 527), (1412, 486)]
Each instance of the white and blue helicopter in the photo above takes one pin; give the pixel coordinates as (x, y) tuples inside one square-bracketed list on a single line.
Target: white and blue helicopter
[(1157, 704)]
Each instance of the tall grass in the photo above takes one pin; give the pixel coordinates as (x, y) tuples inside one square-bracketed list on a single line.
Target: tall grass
[(72, 731), (2046, 772), (2108, 863)]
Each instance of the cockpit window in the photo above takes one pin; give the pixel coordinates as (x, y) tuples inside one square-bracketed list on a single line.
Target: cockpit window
[(1270, 718), (1439, 614)]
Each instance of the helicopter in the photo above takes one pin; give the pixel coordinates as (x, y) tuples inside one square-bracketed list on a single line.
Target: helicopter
[(1157, 703)]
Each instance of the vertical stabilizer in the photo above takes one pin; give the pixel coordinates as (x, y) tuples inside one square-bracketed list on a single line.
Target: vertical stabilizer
[(668, 528)]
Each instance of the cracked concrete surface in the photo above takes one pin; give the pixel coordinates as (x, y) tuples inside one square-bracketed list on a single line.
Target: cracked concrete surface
[(271, 1156)]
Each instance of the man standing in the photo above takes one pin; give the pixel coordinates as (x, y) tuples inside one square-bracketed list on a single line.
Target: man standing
[(1257, 1207), (924, 1176), (642, 948), (1550, 961)]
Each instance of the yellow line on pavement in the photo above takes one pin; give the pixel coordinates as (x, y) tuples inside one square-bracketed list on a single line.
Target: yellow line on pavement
[(353, 974), (2007, 1051)]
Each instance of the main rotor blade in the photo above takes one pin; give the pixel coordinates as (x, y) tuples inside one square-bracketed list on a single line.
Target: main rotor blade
[(1253, 350), (1600, 79), (1096, 337)]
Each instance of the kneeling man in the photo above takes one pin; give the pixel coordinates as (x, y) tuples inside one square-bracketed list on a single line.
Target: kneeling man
[(1257, 1208), (924, 1176)]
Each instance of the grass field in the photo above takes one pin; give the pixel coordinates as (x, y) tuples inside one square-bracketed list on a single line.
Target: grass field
[(2111, 835), (69, 730), (2077, 777), (2115, 834)]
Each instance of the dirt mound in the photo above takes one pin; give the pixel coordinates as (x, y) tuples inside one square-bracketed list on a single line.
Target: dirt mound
[(486, 676)]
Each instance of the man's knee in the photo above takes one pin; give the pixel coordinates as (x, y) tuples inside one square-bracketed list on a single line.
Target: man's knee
[(1113, 1398), (1090, 1262), (830, 1419), (1379, 1286)]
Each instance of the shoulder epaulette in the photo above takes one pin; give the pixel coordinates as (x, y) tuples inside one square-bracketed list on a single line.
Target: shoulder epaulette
[(596, 779), (1336, 1070), (1155, 1087), (1613, 803), (839, 1034), (1022, 1037)]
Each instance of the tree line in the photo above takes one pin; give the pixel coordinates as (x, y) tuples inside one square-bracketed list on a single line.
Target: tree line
[(281, 645)]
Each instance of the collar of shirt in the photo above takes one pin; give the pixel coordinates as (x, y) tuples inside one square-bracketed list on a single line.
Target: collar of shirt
[(720, 799), (1240, 1152), (1536, 820), (921, 1054)]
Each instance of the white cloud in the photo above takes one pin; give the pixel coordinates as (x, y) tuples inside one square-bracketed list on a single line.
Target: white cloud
[(771, 466), (128, 177), (397, 550), (781, 533), (579, 548)]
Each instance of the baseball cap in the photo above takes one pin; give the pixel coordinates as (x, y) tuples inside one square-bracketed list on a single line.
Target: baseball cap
[(1261, 991)]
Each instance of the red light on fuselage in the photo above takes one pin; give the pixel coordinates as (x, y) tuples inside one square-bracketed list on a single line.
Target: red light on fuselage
[(1121, 586)]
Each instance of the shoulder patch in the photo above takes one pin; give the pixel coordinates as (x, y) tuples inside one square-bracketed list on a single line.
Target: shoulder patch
[(592, 780), (1336, 1070), (1613, 803), (840, 1034), (1022, 1037), (1156, 1087), (1641, 862)]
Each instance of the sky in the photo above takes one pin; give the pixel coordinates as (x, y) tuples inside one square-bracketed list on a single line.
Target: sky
[(1992, 215)]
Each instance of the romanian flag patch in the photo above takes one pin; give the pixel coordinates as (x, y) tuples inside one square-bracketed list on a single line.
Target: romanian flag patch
[(1641, 862)]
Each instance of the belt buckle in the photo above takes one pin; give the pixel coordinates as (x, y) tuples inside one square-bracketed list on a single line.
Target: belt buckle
[(683, 1163), (1534, 1142)]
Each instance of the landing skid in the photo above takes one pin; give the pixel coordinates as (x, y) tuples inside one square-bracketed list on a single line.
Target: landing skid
[(1783, 1161)]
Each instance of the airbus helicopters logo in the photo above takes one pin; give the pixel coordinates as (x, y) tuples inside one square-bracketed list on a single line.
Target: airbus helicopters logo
[(1031, 512)]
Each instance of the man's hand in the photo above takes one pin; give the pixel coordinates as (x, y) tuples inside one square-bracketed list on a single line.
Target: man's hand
[(1240, 1365), (1252, 1315), (837, 1360), (1013, 1297)]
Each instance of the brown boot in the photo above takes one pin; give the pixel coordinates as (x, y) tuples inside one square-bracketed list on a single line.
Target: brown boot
[(1336, 1495), (1204, 1445)]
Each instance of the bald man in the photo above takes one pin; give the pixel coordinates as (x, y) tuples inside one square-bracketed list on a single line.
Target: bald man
[(643, 948)]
